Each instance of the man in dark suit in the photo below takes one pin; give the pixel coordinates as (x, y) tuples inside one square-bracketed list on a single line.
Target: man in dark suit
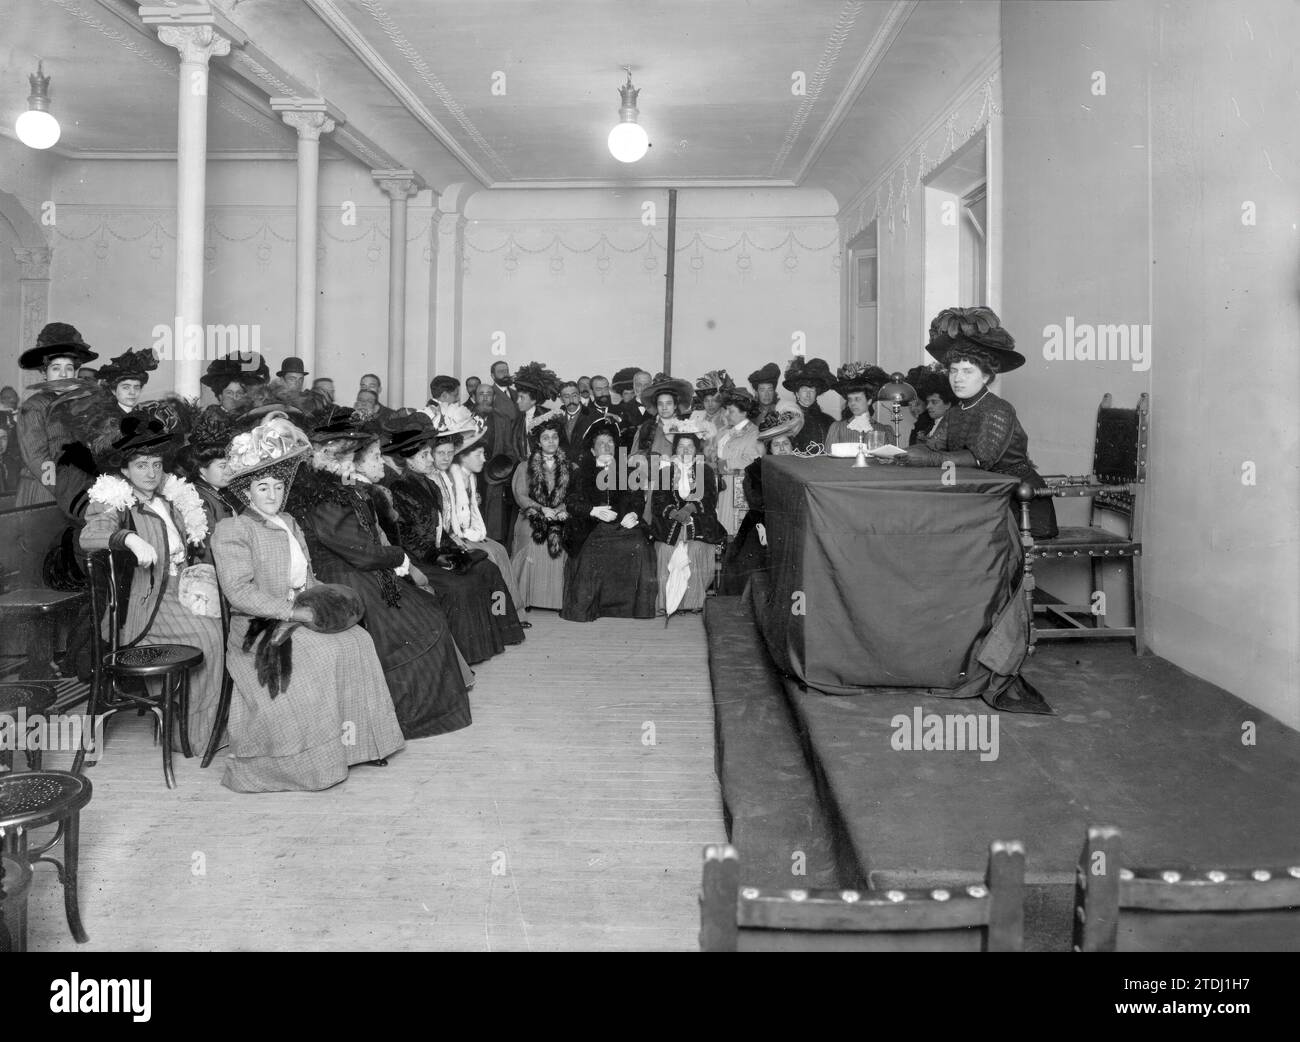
[(371, 382), (471, 392), (577, 418)]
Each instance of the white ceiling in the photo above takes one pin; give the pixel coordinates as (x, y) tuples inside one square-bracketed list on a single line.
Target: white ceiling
[(414, 80)]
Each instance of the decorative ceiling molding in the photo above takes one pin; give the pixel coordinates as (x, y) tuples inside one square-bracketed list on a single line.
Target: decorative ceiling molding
[(649, 182), (337, 21), (866, 68)]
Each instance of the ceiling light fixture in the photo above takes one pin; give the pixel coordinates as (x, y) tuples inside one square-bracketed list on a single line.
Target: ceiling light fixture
[(628, 140), (37, 128)]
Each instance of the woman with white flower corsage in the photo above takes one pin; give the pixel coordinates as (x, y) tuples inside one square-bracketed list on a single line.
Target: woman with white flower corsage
[(136, 508), (541, 486)]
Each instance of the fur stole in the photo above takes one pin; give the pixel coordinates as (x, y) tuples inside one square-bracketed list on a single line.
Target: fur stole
[(314, 488), (548, 531)]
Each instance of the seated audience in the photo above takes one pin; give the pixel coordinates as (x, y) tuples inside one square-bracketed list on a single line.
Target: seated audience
[(470, 587), (686, 513), (611, 569), (808, 380), (858, 384), (155, 523), (298, 720), (342, 514), (541, 488)]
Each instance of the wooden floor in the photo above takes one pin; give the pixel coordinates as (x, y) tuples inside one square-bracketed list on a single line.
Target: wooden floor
[(552, 823)]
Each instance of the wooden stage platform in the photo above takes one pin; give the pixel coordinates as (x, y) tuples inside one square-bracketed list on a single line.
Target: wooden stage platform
[(1190, 774)]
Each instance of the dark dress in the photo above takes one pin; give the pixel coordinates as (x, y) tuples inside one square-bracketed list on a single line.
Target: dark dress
[(701, 532), (746, 555), (923, 424), (991, 432), (816, 425), (410, 632), (467, 598), (611, 569)]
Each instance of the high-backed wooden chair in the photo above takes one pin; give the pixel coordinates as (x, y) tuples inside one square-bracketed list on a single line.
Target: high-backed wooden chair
[(1115, 486), (1117, 908), (987, 917)]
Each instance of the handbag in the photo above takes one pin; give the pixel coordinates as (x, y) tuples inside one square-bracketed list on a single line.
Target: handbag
[(198, 591)]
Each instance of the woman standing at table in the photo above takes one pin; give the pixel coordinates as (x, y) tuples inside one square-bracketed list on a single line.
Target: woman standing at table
[(983, 430), (738, 447)]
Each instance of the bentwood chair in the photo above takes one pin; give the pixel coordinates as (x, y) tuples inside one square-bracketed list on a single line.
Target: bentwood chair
[(151, 677), (988, 917), (1115, 486), (1181, 909), (30, 801)]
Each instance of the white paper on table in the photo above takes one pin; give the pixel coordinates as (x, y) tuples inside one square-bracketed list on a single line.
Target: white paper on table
[(887, 451)]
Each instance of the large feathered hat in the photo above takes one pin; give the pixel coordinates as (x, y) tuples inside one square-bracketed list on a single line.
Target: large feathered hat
[(931, 379), (813, 372), (338, 422), (542, 383), (458, 425), (224, 371), (133, 365), (715, 381), (769, 374), (788, 420), (976, 333), (137, 436), (406, 435), (623, 378), (57, 340), (274, 447)]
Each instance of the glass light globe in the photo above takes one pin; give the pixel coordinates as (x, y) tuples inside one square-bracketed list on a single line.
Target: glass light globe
[(37, 129), (628, 142)]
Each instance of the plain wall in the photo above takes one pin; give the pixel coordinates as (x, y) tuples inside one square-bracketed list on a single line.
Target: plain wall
[(1125, 207)]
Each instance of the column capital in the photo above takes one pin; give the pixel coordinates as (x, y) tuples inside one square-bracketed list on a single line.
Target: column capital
[(34, 261), (310, 117), (397, 184)]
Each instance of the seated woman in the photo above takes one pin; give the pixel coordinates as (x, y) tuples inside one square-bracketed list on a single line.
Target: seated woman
[(747, 553), (540, 486), (858, 385), (663, 398), (611, 569), (738, 447), (935, 394), (204, 462), (983, 431), (135, 506), (333, 710), (339, 512), (686, 513), (457, 479), (471, 592)]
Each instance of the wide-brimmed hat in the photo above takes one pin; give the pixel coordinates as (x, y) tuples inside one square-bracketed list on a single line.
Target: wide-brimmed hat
[(275, 447), (339, 422), (606, 423), (210, 430), (786, 420), (136, 435), (458, 424), (223, 371), (812, 371), (739, 396), (542, 383), (292, 364), (623, 379), (552, 420), (499, 469), (689, 429), (977, 331), (57, 340), (406, 435), (132, 365), (715, 381), (769, 374), (858, 376), (681, 391)]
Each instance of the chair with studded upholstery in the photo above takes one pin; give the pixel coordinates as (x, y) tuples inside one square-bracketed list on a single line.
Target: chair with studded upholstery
[(1115, 486), (1180, 909), (152, 678), (36, 800), (975, 917)]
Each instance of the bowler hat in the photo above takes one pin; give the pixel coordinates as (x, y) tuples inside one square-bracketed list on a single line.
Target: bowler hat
[(292, 364)]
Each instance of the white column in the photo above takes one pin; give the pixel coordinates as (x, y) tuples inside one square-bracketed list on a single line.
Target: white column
[(399, 185), (310, 119), (196, 44)]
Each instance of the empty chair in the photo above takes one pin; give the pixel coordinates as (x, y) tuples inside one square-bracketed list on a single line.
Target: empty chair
[(1214, 909), (975, 917)]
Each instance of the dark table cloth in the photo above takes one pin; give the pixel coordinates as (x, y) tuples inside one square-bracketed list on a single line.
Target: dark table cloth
[(886, 577)]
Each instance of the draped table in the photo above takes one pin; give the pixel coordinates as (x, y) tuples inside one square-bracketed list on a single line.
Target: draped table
[(894, 577)]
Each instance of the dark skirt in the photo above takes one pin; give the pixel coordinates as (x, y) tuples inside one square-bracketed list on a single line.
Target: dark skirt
[(612, 576), (478, 607), (745, 556), (415, 647)]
